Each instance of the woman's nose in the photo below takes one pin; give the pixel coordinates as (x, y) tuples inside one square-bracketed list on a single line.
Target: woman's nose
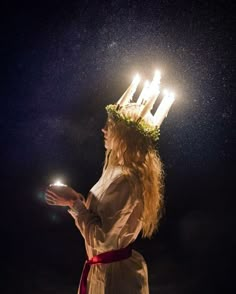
[(104, 131)]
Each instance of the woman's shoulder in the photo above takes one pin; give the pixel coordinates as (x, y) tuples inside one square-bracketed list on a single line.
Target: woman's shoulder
[(118, 182), (125, 184)]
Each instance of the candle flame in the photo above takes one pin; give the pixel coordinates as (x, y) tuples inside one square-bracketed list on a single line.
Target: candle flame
[(136, 79), (157, 76), (58, 183)]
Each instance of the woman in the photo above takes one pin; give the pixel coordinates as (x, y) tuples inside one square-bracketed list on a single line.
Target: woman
[(127, 200)]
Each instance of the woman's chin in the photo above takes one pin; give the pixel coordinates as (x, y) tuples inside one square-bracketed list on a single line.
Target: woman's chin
[(107, 147)]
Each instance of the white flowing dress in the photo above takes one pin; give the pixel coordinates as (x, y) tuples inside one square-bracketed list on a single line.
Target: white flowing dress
[(109, 220)]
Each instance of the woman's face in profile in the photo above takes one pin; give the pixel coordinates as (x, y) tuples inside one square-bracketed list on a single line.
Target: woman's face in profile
[(107, 135)]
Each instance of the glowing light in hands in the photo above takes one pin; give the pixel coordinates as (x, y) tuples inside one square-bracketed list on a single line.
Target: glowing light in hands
[(58, 183)]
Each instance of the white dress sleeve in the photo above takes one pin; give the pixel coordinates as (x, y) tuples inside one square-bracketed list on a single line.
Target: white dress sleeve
[(115, 208)]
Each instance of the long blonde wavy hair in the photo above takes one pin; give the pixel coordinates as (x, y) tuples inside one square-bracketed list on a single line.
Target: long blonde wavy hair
[(144, 170)]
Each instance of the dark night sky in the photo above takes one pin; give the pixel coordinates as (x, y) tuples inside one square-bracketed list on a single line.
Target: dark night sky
[(62, 62)]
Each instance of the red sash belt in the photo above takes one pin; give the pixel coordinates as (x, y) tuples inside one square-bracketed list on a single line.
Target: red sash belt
[(106, 257)]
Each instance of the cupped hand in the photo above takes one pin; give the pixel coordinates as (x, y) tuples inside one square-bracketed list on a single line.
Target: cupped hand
[(54, 199), (62, 196), (65, 192)]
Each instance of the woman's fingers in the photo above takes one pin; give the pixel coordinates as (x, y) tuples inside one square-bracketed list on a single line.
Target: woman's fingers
[(49, 198), (53, 199), (61, 191), (54, 196), (52, 193), (50, 202), (64, 192)]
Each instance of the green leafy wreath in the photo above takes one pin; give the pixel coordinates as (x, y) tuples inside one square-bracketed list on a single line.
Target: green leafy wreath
[(140, 125)]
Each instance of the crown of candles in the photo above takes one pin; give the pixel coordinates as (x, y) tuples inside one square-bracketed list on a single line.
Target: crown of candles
[(138, 113)]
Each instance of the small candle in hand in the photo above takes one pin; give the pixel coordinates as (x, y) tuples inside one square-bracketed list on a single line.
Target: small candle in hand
[(58, 183)]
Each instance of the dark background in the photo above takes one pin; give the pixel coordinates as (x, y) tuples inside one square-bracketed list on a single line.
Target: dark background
[(61, 63)]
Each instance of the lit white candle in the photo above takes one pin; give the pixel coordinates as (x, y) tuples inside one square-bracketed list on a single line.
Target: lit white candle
[(164, 107), (157, 77), (153, 93), (144, 92), (58, 183), (127, 96)]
